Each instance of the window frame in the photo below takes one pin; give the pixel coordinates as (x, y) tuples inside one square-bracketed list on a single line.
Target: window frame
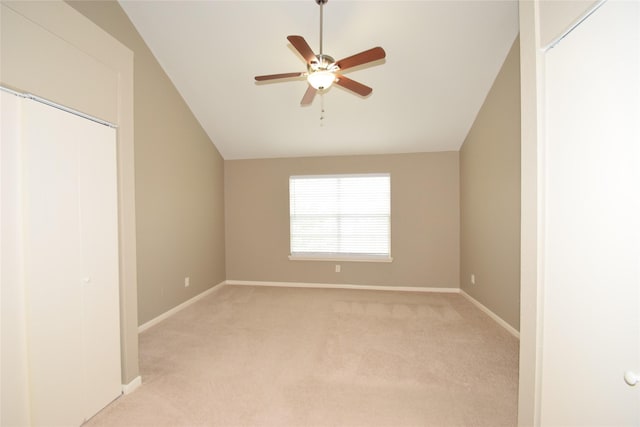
[(341, 257)]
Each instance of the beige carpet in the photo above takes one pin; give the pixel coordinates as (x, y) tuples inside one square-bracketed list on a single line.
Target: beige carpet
[(268, 356)]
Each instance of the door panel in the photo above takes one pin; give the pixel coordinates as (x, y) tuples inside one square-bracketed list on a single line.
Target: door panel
[(52, 262), (99, 264)]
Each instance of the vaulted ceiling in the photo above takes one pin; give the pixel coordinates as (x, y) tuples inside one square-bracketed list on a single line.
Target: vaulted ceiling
[(441, 60)]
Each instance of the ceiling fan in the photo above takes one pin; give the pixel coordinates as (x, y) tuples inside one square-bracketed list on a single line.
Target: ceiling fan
[(323, 70)]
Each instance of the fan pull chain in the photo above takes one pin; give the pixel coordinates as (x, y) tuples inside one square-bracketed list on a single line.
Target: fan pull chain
[(321, 109)]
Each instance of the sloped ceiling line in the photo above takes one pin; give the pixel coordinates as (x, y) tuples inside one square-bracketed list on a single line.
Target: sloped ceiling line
[(442, 58)]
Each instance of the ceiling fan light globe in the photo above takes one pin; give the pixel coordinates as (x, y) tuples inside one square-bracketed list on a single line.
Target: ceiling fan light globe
[(321, 79)]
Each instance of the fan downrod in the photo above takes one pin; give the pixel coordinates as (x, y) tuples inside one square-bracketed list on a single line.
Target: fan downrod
[(322, 1)]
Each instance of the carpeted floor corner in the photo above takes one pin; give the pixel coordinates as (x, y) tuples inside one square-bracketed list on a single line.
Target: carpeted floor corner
[(270, 356)]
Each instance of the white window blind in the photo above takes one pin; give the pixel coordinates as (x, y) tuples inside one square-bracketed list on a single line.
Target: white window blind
[(340, 216)]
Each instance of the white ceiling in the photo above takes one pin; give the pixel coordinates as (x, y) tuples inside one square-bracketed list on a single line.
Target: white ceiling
[(442, 57)]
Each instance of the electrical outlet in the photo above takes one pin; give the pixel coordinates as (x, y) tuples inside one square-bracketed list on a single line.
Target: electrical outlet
[(473, 279), (186, 282), (338, 268)]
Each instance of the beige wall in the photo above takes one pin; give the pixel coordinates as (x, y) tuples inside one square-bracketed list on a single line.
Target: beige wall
[(490, 197), (424, 224), (179, 181)]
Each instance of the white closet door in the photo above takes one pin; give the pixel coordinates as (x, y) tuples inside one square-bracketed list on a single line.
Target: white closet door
[(71, 266), (591, 330), (14, 395), (99, 248)]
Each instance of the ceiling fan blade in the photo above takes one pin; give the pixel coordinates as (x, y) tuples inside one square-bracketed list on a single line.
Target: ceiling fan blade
[(361, 58), (308, 96), (353, 85), (278, 76), (302, 47)]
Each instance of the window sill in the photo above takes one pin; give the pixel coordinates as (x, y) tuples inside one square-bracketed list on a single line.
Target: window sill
[(340, 258)]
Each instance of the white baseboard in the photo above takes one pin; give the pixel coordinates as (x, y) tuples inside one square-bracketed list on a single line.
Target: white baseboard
[(177, 308), (132, 385), (491, 314), (342, 286), (187, 303)]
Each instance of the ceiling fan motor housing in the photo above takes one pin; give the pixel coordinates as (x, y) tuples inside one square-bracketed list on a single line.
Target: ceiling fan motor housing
[(322, 63), (322, 71)]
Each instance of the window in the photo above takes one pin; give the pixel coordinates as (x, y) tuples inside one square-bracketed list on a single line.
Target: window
[(340, 217)]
